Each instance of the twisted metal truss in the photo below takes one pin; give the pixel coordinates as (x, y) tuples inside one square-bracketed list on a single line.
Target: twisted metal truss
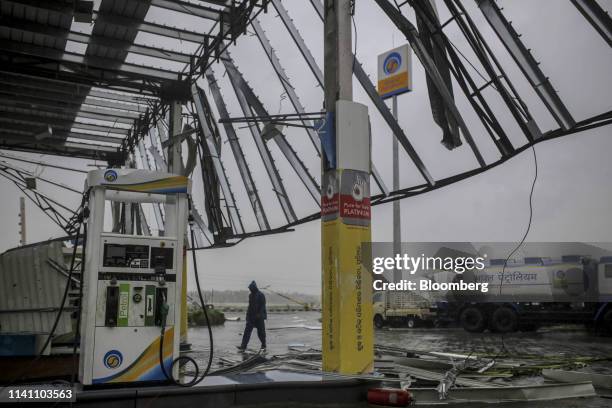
[(138, 98)]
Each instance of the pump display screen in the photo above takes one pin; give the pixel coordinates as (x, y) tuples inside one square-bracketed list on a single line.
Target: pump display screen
[(126, 256)]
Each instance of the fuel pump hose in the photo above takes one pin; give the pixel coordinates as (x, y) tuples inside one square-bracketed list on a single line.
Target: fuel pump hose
[(164, 311)]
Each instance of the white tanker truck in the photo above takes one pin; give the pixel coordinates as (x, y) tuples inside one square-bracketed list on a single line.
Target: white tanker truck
[(530, 293)]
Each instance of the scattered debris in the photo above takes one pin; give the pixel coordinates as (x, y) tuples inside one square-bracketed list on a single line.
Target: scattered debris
[(295, 326), (447, 378), (598, 380)]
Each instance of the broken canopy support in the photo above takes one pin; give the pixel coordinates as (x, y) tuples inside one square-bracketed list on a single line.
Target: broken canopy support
[(496, 74), (428, 20), (420, 51), (271, 131), (212, 149), (202, 231), (597, 17), (264, 152), (382, 108), (243, 167), (314, 67), (526, 62), (427, 15), (284, 79)]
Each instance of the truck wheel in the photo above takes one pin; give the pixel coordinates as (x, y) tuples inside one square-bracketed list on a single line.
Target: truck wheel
[(472, 320), (504, 320), (379, 322), (411, 322)]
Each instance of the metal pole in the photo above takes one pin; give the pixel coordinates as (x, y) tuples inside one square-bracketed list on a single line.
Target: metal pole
[(175, 166), (397, 231), (174, 150), (22, 221), (347, 335)]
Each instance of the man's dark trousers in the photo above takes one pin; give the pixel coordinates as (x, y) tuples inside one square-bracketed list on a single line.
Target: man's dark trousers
[(260, 325)]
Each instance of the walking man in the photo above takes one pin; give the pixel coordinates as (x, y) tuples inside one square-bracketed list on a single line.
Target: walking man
[(255, 317)]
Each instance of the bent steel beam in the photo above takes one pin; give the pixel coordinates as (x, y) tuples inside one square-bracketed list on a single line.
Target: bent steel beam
[(243, 167), (264, 152), (427, 17), (411, 33), (526, 62), (314, 67), (597, 17), (160, 163), (299, 41), (280, 139), (209, 137), (289, 89), (382, 108), (495, 72)]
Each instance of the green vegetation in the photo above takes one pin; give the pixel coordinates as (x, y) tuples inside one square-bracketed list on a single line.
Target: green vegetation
[(195, 316)]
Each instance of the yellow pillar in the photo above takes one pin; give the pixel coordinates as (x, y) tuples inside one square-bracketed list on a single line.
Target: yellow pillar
[(348, 333)]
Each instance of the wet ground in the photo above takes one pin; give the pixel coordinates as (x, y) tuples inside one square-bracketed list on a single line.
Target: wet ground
[(284, 329)]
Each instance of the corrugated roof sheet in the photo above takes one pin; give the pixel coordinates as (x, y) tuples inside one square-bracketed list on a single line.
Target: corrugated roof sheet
[(31, 290)]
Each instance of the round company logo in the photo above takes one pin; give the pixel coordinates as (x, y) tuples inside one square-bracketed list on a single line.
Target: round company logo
[(110, 175), (392, 63), (113, 359)]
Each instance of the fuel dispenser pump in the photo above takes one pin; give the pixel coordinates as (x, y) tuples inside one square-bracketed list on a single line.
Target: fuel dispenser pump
[(132, 284)]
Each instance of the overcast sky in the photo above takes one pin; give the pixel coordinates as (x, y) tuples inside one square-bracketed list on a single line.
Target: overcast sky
[(572, 194)]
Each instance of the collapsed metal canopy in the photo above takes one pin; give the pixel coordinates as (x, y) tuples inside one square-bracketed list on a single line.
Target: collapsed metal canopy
[(102, 91), (69, 88)]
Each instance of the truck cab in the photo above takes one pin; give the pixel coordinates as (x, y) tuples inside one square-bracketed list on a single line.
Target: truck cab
[(402, 309)]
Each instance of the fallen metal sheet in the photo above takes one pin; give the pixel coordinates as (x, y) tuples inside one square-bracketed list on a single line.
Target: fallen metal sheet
[(427, 364), (598, 380), (251, 362), (31, 291), (548, 392), (436, 376), (346, 376), (296, 326)]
